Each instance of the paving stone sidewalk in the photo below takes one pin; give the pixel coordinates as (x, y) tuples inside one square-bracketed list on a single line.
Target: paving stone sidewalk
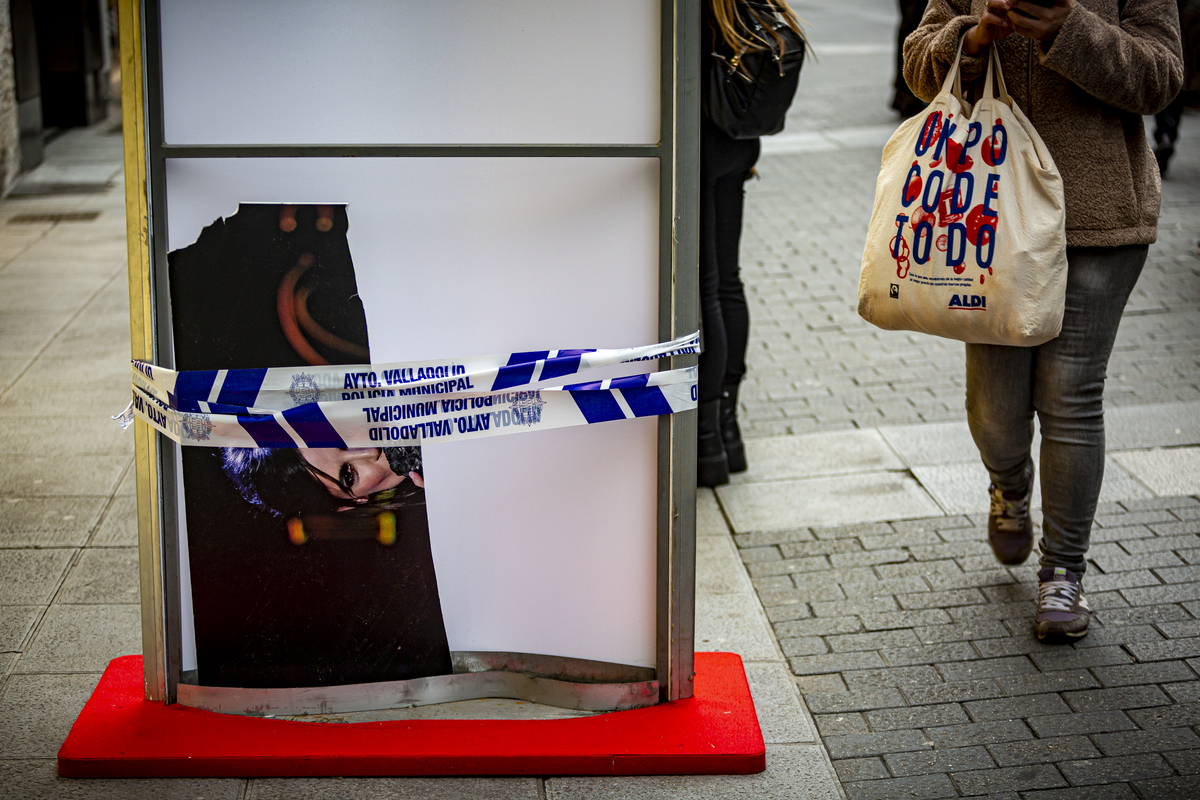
[(912, 647), (915, 654)]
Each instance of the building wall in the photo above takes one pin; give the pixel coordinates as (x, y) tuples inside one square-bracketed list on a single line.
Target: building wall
[(10, 134)]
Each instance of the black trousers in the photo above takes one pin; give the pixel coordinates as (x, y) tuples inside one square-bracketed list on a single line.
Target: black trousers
[(725, 164)]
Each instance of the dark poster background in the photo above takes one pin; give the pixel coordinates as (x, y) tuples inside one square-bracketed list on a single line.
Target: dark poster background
[(269, 613)]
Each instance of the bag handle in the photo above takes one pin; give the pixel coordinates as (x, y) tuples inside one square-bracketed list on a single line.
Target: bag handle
[(953, 81), (994, 65)]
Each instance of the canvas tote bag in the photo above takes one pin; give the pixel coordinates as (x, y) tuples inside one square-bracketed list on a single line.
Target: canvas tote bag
[(967, 237)]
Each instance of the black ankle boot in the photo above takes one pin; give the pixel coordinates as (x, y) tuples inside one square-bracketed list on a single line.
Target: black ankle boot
[(712, 468), (731, 434)]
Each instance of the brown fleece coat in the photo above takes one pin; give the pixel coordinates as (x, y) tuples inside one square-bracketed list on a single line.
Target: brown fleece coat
[(1112, 61)]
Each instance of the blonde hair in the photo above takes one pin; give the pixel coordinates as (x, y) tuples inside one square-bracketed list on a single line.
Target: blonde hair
[(742, 40)]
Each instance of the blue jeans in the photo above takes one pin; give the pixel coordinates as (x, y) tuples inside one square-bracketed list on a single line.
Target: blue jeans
[(1063, 381)]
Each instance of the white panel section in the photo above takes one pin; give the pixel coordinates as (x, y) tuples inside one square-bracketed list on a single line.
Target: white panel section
[(543, 542), (401, 71)]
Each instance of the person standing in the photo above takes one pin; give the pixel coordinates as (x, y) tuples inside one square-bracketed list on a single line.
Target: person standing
[(1084, 72), (726, 164)]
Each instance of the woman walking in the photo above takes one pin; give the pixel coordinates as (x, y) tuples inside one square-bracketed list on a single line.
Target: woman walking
[(1084, 72)]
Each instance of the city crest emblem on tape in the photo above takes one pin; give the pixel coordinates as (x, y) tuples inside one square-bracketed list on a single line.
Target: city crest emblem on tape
[(304, 389), (527, 408), (196, 427)]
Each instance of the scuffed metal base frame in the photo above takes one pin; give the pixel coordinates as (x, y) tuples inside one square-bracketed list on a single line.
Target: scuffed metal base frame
[(150, 332), (551, 680)]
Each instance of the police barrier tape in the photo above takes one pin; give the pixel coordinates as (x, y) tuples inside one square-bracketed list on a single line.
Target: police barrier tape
[(276, 388), (387, 420)]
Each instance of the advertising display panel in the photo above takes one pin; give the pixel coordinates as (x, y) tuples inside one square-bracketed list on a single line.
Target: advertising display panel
[(411, 190)]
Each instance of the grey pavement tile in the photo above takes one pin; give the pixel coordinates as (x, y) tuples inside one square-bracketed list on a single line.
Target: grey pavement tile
[(38, 780), (28, 577), (1173, 471), (1100, 636), (840, 724), (973, 630), (875, 640), (15, 624), (962, 488), (1010, 779), (1043, 751), (733, 622), (880, 678), (36, 293), (26, 400), (61, 475), (709, 520), (823, 626), (1156, 425), (48, 521), (875, 744), (957, 692), (1143, 615), (1165, 651), (881, 620), (1167, 716), (1071, 658), (938, 443), (1160, 672), (119, 526), (929, 654), (103, 575), (819, 454), (1187, 762), (952, 597), (955, 759), (803, 646), (1036, 705), (1183, 541), (795, 770), (835, 662), (1114, 770), (62, 435), (1184, 692), (38, 711), (1108, 791), (83, 638), (820, 683), (917, 786), (1125, 697), (1182, 574), (832, 702), (916, 717), (860, 769), (1168, 788), (23, 333), (1141, 561), (718, 568), (976, 733), (1153, 741), (1062, 681), (780, 713), (514, 788), (986, 668), (1081, 723), (781, 505)]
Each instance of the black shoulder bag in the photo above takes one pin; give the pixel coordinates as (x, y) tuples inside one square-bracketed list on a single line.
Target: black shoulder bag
[(754, 102)]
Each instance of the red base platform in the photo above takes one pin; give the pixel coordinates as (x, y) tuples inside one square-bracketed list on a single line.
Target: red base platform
[(121, 735)]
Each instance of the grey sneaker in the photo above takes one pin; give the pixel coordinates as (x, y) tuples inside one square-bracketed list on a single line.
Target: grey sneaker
[(1010, 529), (1062, 610)]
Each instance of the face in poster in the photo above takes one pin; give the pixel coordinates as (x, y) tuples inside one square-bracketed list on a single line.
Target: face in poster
[(308, 567)]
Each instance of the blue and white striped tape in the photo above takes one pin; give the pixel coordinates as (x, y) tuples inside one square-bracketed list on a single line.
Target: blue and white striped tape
[(266, 390), (414, 418)]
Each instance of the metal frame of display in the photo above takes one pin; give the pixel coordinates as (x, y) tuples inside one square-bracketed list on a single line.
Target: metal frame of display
[(146, 153)]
